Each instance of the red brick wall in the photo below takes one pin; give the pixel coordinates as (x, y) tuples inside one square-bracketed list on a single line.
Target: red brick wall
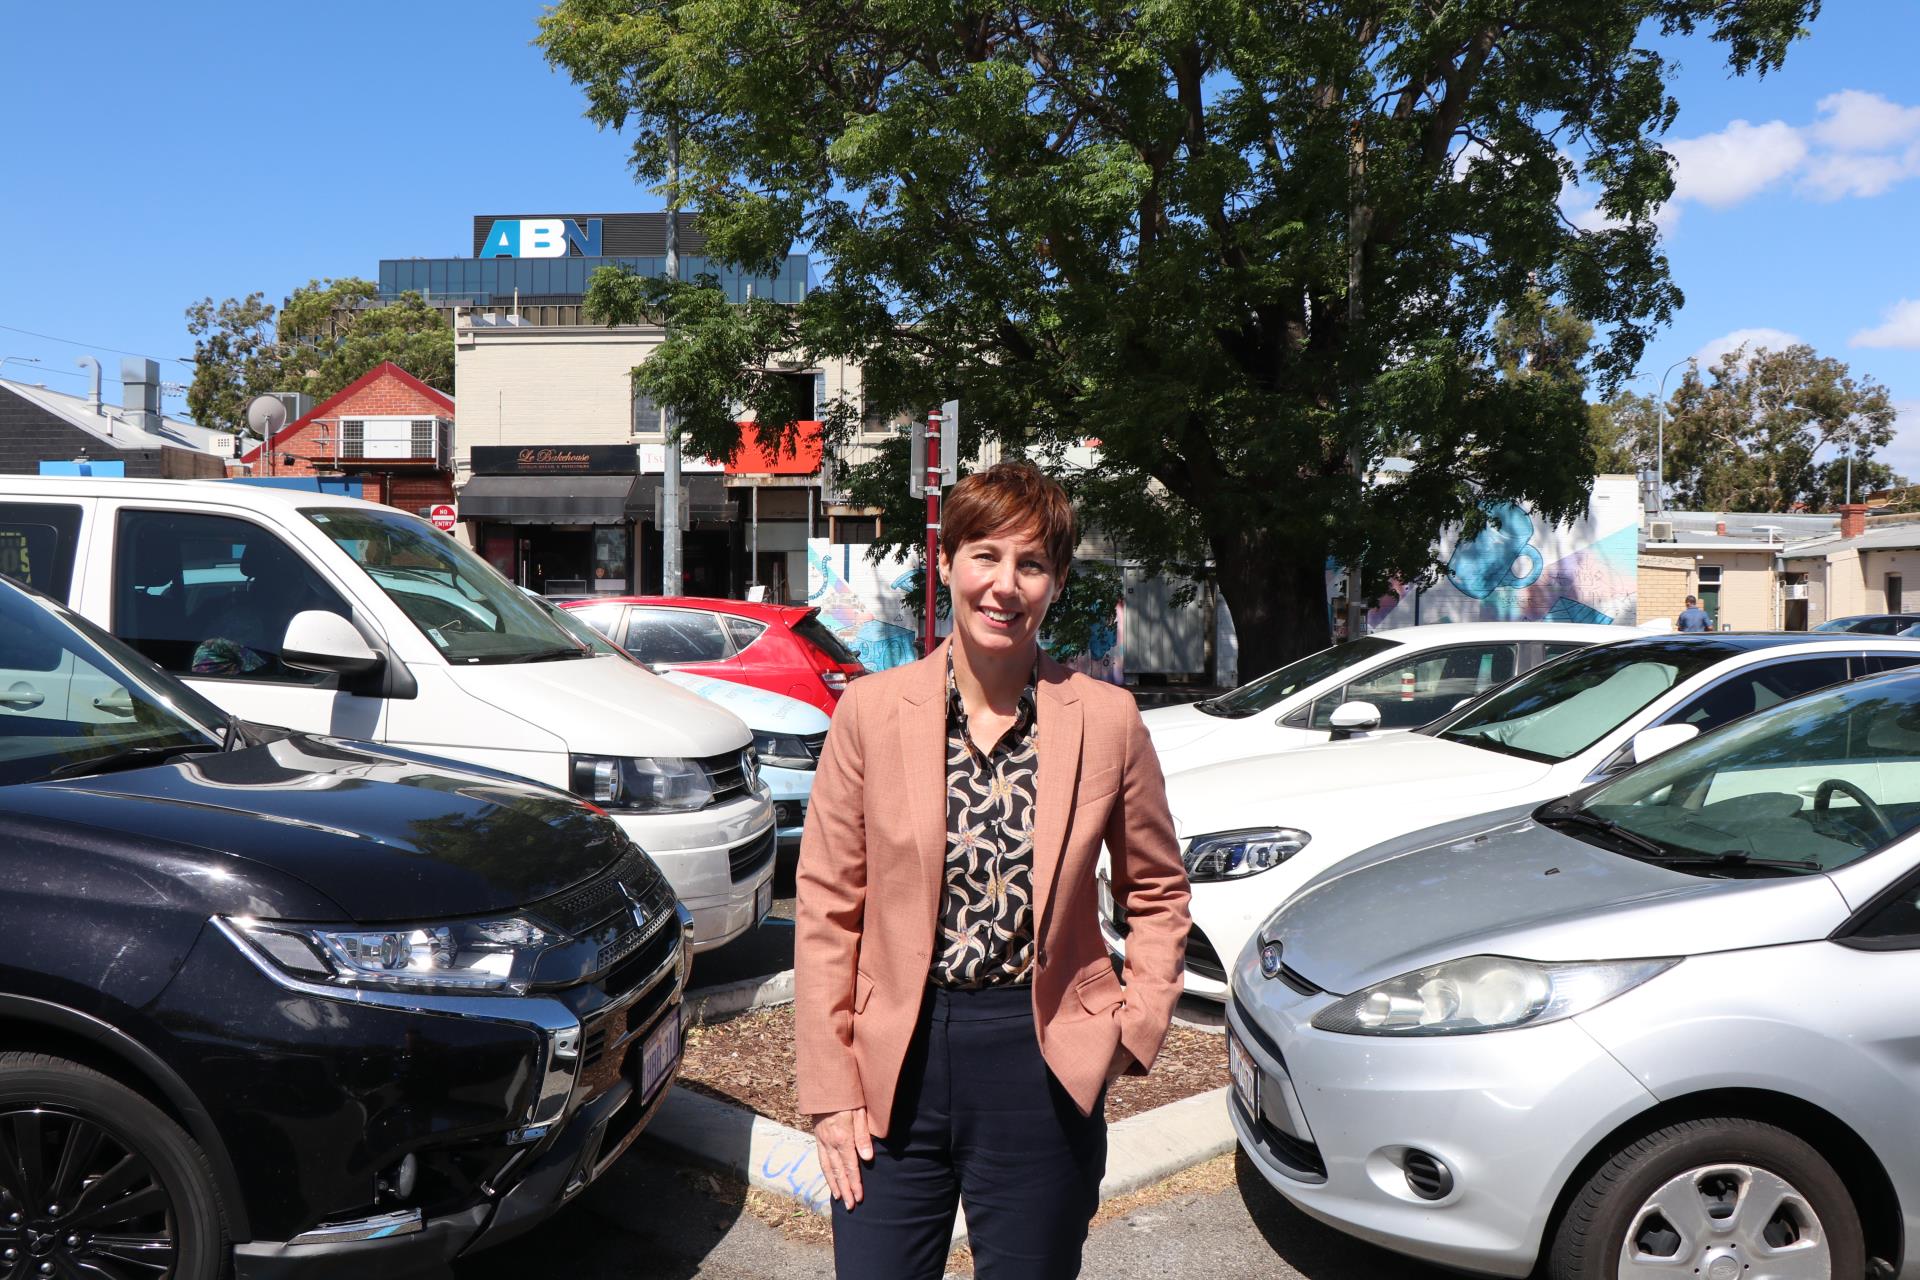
[(314, 445), (411, 492)]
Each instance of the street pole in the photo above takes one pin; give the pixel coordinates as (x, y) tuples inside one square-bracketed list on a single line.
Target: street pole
[(1660, 443), (933, 479), (671, 582)]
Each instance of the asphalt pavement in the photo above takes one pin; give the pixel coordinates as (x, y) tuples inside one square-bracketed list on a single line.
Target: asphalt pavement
[(650, 1218)]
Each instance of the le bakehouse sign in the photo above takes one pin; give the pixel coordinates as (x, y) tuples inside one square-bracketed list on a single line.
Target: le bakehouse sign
[(553, 460)]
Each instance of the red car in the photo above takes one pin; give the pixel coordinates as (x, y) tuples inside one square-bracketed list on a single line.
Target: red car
[(784, 648)]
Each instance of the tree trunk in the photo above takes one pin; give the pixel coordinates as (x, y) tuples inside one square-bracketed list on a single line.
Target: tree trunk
[(1278, 595)]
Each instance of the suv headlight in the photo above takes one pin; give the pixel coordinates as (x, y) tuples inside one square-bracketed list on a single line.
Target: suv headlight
[(1228, 855), (783, 750), (1484, 993), (658, 784), (454, 955)]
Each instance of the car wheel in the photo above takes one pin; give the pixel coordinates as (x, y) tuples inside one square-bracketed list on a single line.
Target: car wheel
[(1719, 1199), (97, 1181)]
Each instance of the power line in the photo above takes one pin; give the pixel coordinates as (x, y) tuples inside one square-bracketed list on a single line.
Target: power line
[(95, 346)]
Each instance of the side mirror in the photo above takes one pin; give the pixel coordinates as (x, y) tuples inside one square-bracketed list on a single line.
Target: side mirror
[(1649, 743), (321, 641), (1350, 718)]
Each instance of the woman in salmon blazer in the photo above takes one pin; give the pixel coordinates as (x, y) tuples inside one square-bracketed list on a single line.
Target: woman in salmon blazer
[(957, 1017)]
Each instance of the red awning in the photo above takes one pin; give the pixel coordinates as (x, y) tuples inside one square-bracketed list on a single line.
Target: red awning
[(752, 460)]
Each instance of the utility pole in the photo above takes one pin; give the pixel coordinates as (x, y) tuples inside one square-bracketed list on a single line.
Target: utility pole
[(671, 581), (933, 478)]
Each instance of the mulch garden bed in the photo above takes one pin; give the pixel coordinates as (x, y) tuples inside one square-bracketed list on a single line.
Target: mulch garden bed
[(748, 1060)]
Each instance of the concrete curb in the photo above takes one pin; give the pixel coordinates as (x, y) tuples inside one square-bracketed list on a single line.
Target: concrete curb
[(770, 1157), (717, 1004)]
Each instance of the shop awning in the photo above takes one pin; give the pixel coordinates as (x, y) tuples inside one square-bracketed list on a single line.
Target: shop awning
[(547, 499)]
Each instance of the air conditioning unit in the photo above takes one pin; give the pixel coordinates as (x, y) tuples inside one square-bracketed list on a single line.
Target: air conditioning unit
[(1797, 591), (406, 439), (1660, 531)]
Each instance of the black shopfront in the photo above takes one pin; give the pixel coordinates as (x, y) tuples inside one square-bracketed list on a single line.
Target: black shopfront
[(571, 520)]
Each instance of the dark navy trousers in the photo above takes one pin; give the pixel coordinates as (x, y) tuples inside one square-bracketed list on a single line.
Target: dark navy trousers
[(978, 1121)]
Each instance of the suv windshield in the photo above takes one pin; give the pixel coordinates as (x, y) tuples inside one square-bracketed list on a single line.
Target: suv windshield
[(1803, 787), (1257, 695), (1560, 709), (75, 701), (458, 600)]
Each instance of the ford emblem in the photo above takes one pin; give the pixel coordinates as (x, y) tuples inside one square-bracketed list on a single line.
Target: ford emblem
[(1270, 965)]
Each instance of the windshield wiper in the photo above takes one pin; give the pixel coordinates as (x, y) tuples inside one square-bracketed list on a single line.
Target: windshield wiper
[(127, 758), (552, 655), (1553, 815), (1741, 858)]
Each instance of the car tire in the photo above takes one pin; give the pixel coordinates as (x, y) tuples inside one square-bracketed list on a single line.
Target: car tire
[(122, 1188), (1701, 1188)]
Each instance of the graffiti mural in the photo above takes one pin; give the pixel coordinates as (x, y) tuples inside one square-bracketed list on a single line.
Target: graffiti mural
[(861, 602), (1519, 568)]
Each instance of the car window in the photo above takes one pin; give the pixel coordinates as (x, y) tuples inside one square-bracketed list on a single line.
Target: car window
[(37, 542), (1548, 652), (1758, 688), (1878, 662), (1257, 695), (1813, 785), (1895, 925), (744, 631), (666, 636), (604, 618), (211, 596), (815, 633), (1883, 626), (1416, 690)]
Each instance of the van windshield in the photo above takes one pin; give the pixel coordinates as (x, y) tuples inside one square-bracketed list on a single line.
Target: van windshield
[(459, 601)]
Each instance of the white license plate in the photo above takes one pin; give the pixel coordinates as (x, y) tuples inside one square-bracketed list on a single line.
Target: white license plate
[(658, 1054), (1246, 1076), (762, 901)]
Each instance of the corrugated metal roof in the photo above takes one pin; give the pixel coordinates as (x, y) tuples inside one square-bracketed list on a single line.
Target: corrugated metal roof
[(115, 430)]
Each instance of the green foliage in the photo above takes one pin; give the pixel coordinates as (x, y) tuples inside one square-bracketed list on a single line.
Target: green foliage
[(328, 333), (1746, 440), (1623, 432), (1253, 249)]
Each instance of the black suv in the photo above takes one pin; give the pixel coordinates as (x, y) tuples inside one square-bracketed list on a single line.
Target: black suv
[(293, 1002)]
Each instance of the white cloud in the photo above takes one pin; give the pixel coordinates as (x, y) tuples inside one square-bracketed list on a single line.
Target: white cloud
[(1840, 174), (1724, 168), (1899, 327), (1753, 340), (1852, 120), (1903, 452)]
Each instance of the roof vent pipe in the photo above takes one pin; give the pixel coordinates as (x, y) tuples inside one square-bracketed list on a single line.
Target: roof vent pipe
[(93, 397)]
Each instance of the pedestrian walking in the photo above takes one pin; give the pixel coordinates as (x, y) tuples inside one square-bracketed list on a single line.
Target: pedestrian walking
[(957, 1018), (1693, 618)]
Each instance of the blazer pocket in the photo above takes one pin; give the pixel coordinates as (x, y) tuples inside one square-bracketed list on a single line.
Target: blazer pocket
[(1100, 990), (1097, 786), (862, 991)]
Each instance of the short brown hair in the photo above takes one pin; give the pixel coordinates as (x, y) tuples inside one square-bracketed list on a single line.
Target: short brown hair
[(1010, 497)]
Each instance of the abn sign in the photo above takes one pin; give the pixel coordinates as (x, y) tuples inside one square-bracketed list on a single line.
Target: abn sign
[(541, 238)]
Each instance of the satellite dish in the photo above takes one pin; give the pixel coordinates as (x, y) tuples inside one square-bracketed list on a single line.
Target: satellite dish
[(266, 415)]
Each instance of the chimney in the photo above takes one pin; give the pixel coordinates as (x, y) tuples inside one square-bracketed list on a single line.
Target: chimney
[(1853, 519), (1720, 528), (140, 392)]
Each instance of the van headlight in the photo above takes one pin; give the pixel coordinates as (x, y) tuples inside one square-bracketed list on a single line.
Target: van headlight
[(1484, 993), (449, 956), (1229, 855), (647, 784), (783, 750)]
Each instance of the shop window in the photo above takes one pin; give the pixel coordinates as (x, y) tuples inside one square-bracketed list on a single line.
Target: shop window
[(854, 530)]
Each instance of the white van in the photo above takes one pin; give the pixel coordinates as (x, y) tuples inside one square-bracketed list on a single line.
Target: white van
[(331, 615)]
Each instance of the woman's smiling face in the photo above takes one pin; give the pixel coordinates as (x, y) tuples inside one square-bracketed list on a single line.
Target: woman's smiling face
[(1001, 586)]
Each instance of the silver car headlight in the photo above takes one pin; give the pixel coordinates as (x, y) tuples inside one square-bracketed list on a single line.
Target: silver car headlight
[(783, 750), (657, 784), (1229, 855), (467, 956), (1484, 993)]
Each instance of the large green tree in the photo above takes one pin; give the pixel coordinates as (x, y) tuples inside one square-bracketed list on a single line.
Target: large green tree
[(1252, 248), (1747, 436), (327, 333)]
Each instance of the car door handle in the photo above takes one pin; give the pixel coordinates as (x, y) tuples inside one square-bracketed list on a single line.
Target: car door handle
[(22, 697), (119, 703)]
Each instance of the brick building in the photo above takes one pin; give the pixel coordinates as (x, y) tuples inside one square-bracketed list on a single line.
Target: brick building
[(387, 429), (42, 430)]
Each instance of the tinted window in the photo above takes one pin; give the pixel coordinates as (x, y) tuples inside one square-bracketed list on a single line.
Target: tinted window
[(1421, 688), (1257, 695), (1759, 688), (667, 636), (744, 631), (1896, 924), (37, 544), (211, 596), (815, 633), (1878, 662)]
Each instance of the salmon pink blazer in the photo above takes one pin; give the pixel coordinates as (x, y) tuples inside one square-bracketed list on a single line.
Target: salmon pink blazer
[(872, 865)]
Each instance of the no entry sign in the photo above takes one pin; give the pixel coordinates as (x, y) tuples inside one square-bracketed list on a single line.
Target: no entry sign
[(444, 516)]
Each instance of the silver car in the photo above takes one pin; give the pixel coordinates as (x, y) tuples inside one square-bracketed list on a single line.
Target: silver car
[(1668, 1026)]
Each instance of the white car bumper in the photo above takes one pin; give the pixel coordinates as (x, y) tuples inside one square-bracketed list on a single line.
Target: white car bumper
[(719, 862)]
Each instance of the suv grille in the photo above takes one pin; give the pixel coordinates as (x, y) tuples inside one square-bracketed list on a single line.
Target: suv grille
[(745, 860), (576, 911)]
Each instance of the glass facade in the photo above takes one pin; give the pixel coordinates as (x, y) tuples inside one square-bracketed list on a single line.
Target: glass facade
[(493, 281)]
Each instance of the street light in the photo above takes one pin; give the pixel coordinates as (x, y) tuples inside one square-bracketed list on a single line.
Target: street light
[(1660, 442), (18, 360)]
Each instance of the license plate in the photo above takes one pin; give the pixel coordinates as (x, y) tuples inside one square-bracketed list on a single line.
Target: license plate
[(1246, 1076), (658, 1054), (762, 901)]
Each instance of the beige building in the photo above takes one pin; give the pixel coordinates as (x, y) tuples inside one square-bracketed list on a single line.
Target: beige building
[(1863, 568)]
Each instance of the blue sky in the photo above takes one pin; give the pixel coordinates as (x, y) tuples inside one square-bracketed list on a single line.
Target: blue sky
[(155, 154)]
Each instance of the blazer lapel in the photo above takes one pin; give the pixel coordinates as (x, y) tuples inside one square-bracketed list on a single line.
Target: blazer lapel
[(923, 758), (1058, 718)]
